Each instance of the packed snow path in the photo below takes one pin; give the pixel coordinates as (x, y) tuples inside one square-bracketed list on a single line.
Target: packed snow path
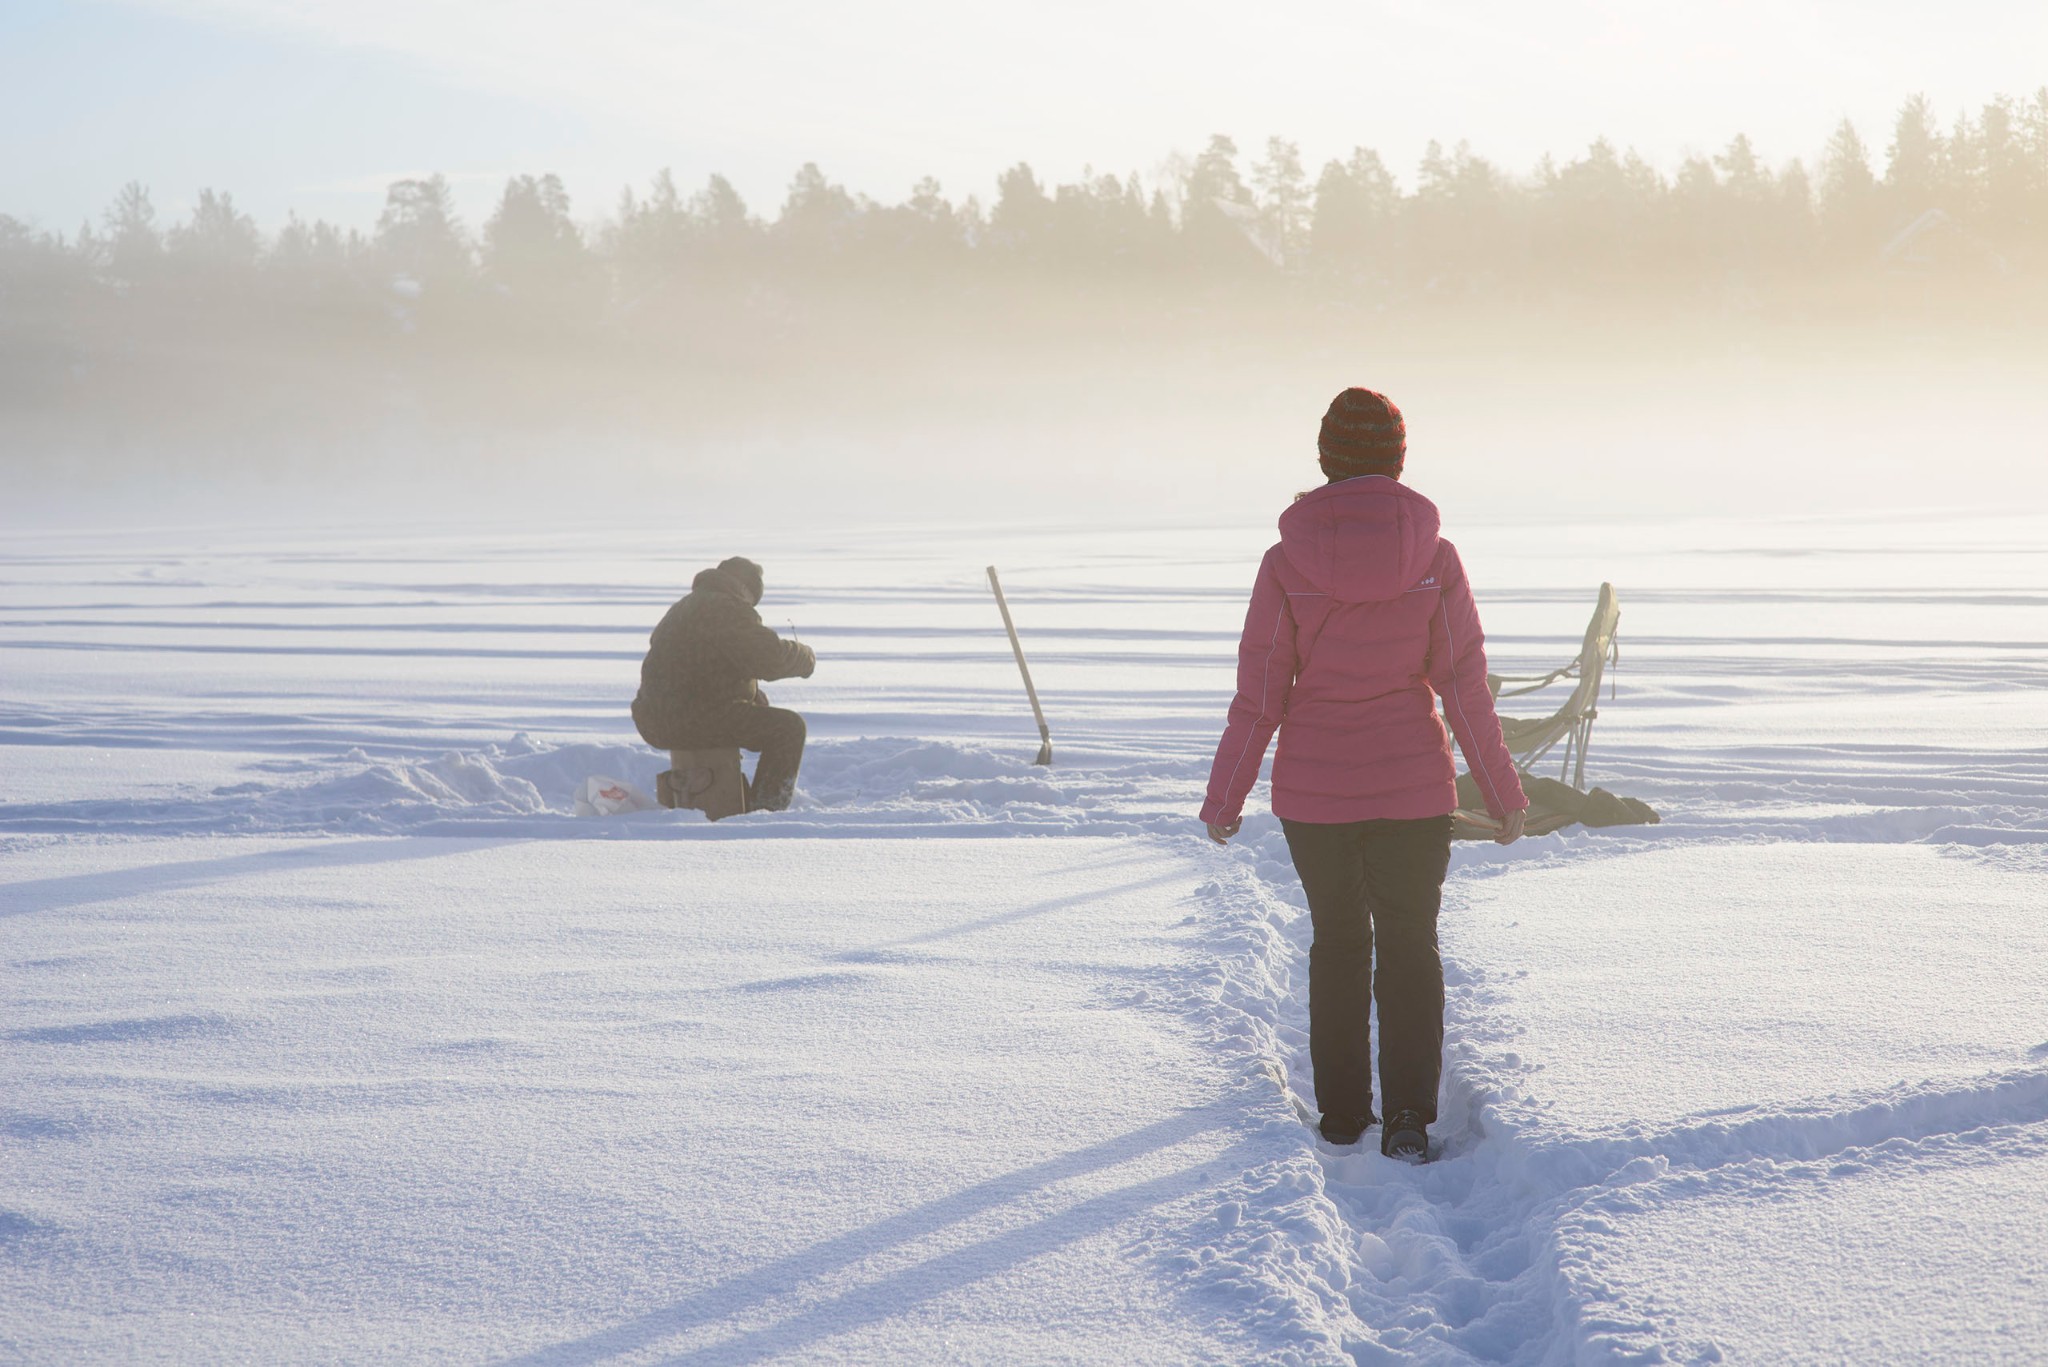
[(867, 1082)]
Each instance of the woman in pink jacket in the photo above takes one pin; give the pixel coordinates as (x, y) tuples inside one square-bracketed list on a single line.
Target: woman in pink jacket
[(1360, 620)]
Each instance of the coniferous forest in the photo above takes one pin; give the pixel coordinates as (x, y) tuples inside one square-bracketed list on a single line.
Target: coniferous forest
[(677, 297)]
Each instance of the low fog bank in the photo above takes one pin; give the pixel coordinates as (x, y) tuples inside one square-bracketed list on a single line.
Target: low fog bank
[(1593, 338), (1509, 421)]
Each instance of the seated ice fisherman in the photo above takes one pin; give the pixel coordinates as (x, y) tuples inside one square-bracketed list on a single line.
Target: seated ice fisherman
[(700, 689)]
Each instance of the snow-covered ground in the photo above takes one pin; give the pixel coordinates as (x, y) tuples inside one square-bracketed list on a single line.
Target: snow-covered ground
[(328, 1032)]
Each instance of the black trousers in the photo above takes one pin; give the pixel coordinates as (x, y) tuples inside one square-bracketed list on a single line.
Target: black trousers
[(1374, 885), (776, 732)]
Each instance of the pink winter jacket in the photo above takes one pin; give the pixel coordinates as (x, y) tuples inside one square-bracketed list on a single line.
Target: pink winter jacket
[(1358, 614)]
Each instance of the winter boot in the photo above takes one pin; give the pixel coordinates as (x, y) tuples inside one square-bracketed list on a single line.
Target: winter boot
[(1406, 1137), (1345, 1129), (776, 797)]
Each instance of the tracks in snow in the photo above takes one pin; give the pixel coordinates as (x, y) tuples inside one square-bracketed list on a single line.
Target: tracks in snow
[(1499, 1251)]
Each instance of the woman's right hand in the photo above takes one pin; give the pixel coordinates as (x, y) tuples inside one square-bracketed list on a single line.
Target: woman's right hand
[(1221, 834), (1511, 828)]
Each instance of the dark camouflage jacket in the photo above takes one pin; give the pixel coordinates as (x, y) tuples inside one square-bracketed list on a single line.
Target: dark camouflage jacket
[(708, 653)]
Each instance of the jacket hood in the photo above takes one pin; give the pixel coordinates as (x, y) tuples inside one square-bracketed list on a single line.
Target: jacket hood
[(1362, 540), (719, 581)]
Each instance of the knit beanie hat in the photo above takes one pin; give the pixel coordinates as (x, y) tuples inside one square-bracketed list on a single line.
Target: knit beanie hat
[(1363, 434), (748, 574)]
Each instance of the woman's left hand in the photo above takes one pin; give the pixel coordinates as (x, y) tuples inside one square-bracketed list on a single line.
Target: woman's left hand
[(1221, 834)]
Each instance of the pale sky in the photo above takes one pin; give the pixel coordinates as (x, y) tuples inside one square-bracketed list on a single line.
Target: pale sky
[(315, 105)]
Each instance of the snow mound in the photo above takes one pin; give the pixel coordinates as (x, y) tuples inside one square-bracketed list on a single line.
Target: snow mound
[(392, 792), (966, 781), (527, 787)]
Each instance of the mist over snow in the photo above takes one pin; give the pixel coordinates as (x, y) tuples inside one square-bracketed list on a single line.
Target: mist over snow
[(1859, 328)]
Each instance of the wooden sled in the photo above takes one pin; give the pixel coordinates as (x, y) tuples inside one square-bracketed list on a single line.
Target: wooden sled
[(1530, 739)]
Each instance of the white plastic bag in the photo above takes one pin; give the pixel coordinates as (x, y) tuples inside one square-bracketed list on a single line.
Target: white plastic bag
[(601, 796)]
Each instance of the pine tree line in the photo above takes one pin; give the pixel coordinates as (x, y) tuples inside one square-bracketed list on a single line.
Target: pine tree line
[(1968, 203)]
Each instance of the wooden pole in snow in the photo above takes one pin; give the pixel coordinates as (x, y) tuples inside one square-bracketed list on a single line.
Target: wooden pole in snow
[(1017, 648)]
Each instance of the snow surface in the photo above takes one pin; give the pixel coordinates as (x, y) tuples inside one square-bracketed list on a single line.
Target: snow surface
[(327, 1032), (451, 1098)]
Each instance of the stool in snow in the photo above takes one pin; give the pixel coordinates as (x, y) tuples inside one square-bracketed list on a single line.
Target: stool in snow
[(709, 781)]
